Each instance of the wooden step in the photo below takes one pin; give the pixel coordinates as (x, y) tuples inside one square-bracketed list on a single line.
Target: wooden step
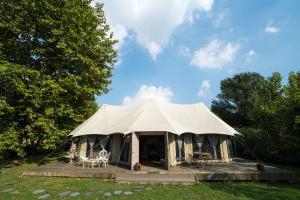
[(155, 178)]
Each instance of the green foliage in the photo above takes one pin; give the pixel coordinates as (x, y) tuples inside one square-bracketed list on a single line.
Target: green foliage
[(238, 98), (55, 56), (265, 112)]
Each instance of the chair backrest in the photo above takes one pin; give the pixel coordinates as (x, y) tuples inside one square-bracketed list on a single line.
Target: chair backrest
[(103, 153)]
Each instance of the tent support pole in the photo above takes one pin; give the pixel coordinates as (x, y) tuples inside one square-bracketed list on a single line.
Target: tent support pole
[(119, 156), (167, 151)]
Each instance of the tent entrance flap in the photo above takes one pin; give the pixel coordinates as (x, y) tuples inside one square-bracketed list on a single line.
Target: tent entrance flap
[(152, 150)]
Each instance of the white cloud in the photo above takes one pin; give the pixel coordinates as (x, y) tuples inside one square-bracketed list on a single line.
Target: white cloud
[(154, 50), (153, 21), (204, 90), (271, 29), (250, 55), (215, 55), (146, 92), (184, 51), (119, 33), (218, 19)]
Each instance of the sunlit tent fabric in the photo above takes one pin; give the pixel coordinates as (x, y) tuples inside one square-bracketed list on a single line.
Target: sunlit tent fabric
[(154, 115)]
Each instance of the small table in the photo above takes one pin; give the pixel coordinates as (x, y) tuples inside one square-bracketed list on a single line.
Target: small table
[(204, 158), (91, 162)]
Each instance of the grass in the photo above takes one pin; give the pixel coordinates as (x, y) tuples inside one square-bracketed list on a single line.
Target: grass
[(10, 178)]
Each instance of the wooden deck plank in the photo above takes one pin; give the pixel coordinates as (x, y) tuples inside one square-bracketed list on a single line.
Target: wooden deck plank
[(235, 171)]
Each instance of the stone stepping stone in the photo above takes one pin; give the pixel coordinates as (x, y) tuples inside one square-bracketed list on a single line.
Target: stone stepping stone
[(88, 193), (45, 196), (15, 192), (107, 194), (148, 188), (138, 190), (62, 194), (8, 190), (127, 193), (118, 192), (38, 191), (100, 192), (74, 194)]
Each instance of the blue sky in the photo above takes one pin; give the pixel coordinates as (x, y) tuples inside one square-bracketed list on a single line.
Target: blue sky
[(180, 50)]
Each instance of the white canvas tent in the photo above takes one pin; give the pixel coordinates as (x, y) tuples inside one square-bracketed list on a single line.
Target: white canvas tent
[(154, 115), (178, 124)]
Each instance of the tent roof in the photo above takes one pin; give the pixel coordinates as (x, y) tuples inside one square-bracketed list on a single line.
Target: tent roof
[(154, 115)]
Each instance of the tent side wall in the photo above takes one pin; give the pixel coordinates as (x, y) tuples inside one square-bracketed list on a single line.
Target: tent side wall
[(125, 149)]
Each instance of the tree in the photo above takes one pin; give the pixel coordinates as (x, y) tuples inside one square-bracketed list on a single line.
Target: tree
[(236, 103), (265, 112), (55, 56)]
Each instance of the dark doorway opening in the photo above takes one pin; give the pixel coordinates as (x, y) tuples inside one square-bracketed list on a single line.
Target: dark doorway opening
[(152, 150)]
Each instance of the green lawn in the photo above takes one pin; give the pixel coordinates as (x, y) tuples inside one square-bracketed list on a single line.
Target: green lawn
[(10, 178)]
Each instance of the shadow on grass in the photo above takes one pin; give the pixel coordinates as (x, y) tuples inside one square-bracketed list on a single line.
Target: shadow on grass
[(39, 159), (259, 191)]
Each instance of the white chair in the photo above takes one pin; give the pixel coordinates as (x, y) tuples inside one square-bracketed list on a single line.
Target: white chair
[(103, 158)]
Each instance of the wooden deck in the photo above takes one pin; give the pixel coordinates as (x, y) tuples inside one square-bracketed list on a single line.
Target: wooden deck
[(238, 170)]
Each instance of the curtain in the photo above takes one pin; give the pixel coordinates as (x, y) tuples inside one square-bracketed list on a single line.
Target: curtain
[(104, 141), (83, 145), (172, 149), (116, 147), (213, 139), (199, 141), (179, 144), (188, 145), (91, 139)]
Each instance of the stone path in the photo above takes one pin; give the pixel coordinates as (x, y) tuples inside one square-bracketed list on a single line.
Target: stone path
[(118, 192), (45, 196), (107, 194), (74, 194), (38, 191), (15, 192), (128, 193), (65, 193), (42, 193), (8, 190)]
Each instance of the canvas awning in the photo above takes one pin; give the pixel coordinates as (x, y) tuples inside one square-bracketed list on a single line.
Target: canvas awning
[(154, 115)]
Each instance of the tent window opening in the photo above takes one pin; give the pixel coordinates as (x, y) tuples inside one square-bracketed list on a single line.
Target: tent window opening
[(206, 144), (95, 143), (180, 155), (125, 151)]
